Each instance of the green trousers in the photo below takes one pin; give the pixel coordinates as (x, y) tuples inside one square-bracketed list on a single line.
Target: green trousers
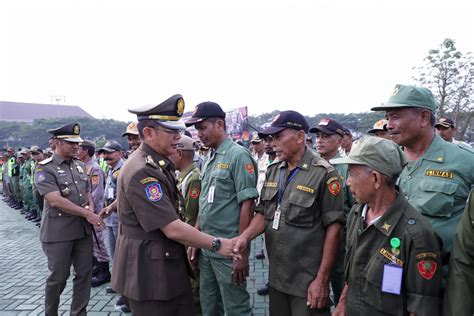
[(282, 304), (219, 296)]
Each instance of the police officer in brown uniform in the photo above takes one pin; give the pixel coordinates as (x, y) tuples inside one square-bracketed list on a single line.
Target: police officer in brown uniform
[(150, 267), (66, 224), (393, 257)]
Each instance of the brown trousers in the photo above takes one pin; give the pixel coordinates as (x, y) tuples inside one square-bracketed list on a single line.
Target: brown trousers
[(179, 306), (61, 255)]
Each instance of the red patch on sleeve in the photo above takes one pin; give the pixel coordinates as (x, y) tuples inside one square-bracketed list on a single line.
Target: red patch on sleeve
[(334, 187), (194, 193), (427, 268), (95, 179), (249, 167)]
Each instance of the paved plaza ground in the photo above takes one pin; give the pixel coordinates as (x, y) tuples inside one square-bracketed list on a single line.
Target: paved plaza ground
[(23, 271)]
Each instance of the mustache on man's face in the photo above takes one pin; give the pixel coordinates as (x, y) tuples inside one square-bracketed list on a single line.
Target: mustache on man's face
[(108, 159)]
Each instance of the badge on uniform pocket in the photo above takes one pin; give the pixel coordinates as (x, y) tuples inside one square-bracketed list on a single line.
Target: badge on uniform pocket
[(392, 278)]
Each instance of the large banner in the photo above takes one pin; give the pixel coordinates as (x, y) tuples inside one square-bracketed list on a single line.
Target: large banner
[(236, 121)]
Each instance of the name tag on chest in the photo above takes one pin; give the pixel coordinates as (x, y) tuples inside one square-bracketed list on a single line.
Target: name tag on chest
[(392, 279)]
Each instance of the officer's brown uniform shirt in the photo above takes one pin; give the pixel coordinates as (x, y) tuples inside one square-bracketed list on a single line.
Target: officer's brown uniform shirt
[(148, 265), (69, 178), (369, 249), (312, 201)]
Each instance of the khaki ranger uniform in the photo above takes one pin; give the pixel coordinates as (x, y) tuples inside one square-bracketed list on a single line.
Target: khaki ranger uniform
[(66, 238), (309, 203), (151, 271), (459, 294), (229, 177), (370, 250), (438, 184), (189, 188)]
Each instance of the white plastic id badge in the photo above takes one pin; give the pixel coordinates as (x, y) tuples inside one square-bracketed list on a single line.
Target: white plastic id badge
[(110, 193), (276, 218), (210, 195), (392, 279)]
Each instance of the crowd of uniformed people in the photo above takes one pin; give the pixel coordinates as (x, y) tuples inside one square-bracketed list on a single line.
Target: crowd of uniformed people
[(380, 226)]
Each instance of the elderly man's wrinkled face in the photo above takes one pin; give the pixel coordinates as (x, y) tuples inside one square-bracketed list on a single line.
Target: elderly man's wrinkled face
[(404, 125), (327, 145), (287, 143), (360, 183)]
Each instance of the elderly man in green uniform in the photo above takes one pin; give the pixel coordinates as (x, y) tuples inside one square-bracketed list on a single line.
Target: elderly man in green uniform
[(150, 267), (301, 212), (189, 188), (438, 176), (329, 134), (459, 294), (393, 255), (226, 203), (65, 231)]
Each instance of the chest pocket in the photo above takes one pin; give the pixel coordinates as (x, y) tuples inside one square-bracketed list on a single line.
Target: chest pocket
[(372, 293), (437, 198), (300, 212), (268, 194), (223, 181)]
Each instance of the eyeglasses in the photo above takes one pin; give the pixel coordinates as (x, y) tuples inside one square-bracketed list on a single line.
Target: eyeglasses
[(171, 131)]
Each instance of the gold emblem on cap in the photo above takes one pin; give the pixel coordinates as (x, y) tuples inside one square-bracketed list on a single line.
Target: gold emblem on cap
[(395, 91), (76, 129), (276, 118), (180, 107)]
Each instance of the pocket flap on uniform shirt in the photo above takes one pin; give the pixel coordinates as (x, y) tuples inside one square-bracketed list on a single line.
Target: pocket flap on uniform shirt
[(301, 198), (439, 186), (162, 253)]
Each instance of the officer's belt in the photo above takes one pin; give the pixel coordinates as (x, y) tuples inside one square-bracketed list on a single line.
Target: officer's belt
[(138, 233)]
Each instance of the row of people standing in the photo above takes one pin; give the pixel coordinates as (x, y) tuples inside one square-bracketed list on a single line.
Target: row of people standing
[(300, 209)]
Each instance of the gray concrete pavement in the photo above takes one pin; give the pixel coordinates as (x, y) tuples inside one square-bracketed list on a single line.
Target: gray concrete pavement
[(23, 271)]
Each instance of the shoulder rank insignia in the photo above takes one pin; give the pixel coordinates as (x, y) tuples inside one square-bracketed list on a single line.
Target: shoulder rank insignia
[(47, 160), (149, 161)]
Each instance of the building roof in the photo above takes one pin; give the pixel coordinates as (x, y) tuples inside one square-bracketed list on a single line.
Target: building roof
[(27, 112)]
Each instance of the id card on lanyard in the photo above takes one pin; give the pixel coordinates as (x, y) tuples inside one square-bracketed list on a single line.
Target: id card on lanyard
[(281, 190)]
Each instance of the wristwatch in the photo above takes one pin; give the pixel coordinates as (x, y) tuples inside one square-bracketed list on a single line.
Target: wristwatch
[(216, 244)]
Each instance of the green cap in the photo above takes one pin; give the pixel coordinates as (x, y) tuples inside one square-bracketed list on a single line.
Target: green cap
[(377, 153), (409, 96), (395, 242)]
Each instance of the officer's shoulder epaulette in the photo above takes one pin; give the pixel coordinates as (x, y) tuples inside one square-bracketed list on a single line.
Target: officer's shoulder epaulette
[(45, 161), (468, 149), (274, 163), (321, 162)]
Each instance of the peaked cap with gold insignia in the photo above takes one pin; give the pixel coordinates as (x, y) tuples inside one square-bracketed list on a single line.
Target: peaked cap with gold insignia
[(69, 132), (168, 113)]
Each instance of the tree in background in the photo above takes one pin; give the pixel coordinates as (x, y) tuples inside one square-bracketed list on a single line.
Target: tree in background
[(448, 73)]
